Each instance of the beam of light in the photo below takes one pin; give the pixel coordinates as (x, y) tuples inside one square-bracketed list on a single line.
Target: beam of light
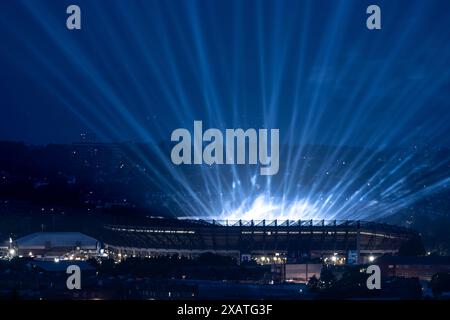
[(266, 207), (176, 62)]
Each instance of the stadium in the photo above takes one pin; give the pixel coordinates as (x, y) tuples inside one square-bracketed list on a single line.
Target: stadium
[(264, 241)]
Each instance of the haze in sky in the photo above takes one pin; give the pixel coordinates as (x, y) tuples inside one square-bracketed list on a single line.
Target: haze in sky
[(137, 70)]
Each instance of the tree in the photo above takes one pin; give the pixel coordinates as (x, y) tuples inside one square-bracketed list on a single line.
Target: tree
[(327, 278), (412, 247), (313, 283), (440, 282)]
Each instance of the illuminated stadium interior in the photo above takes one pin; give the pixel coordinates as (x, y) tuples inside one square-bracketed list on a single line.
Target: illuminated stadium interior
[(272, 240)]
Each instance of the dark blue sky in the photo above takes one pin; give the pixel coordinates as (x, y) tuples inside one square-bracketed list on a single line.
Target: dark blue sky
[(140, 69)]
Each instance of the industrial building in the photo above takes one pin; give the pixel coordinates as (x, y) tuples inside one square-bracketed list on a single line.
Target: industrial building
[(55, 246), (422, 268)]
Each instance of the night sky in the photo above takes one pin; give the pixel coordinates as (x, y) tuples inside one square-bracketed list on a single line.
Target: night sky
[(137, 70)]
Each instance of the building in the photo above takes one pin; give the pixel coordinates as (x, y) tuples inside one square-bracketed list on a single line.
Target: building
[(55, 246), (296, 273), (265, 241), (422, 268)]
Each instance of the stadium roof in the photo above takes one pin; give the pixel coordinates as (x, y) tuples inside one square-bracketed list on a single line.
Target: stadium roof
[(44, 240), (258, 235)]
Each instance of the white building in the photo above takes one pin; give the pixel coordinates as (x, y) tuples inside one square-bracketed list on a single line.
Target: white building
[(56, 245)]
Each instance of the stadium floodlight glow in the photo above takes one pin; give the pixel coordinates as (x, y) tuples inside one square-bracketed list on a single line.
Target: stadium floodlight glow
[(12, 252), (266, 207)]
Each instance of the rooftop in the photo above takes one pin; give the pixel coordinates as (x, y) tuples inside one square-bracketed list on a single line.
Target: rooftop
[(45, 240)]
